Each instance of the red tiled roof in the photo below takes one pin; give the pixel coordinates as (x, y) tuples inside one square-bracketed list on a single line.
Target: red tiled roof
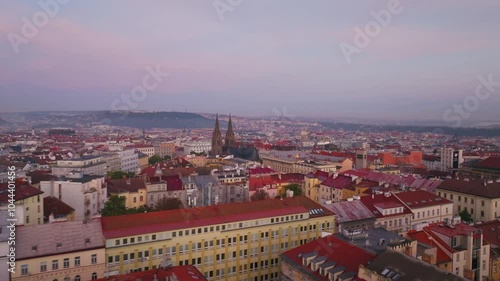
[(173, 182), (478, 188), (126, 185), (421, 199), (259, 171), (424, 238), (22, 191), (459, 229), (183, 273), (56, 207), (333, 249), (381, 201), (492, 162), (135, 224), (339, 182), (491, 232)]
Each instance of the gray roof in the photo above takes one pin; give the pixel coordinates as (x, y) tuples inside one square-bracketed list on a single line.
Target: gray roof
[(349, 211), (375, 236), (405, 268), (56, 238)]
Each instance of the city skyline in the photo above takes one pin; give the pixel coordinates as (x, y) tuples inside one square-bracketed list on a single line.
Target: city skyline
[(253, 58)]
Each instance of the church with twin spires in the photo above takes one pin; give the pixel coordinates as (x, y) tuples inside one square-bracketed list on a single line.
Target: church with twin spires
[(218, 146)]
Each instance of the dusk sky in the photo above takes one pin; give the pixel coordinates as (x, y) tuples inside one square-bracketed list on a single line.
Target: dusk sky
[(259, 56)]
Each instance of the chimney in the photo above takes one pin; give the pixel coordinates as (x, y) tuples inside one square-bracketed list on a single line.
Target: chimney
[(128, 181)]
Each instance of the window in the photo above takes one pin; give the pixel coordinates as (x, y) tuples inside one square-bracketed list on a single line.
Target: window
[(24, 269), (94, 276), (132, 240), (27, 219), (93, 259), (117, 242), (77, 278), (153, 237), (43, 266), (460, 198), (125, 241), (66, 263), (55, 265), (77, 261)]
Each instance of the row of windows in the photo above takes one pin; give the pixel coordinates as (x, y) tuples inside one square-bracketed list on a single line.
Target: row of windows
[(55, 264), (429, 213), (465, 199), (217, 228)]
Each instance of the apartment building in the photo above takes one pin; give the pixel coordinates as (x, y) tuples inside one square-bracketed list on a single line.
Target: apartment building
[(65, 251), (165, 149), (86, 195), (480, 198), (389, 211), (352, 217), (197, 147), (319, 260), (451, 158), (113, 162), (465, 246), (490, 232), (133, 189), (165, 187), (28, 203), (427, 207), (396, 266), (91, 165), (129, 160), (173, 273), (147, 149), (240, 241)]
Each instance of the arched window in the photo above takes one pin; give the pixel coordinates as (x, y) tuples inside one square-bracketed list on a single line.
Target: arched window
[(77, 278), (94, 276)]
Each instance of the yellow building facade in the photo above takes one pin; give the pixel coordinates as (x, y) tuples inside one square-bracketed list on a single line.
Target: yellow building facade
[(228, 242)]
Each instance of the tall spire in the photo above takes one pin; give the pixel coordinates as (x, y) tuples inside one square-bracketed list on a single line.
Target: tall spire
[(216, 139), (230, 139)]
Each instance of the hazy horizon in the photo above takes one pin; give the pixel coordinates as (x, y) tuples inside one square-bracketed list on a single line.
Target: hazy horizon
[(255, 58)]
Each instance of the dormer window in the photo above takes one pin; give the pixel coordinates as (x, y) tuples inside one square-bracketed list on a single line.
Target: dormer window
[(58, 245), (34, 248)]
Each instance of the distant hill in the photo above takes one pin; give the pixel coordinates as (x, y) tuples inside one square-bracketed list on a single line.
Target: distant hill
[(3, 122), (486, 132), (148, 120)]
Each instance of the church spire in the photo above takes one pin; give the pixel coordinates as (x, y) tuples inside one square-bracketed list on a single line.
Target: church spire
[(216, 139), (230, 139)]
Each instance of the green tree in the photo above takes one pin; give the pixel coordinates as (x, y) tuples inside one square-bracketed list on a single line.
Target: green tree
[(140, 209), (119, 174), (260, 194), (115, 206), (168, 204), (465, 216), (167, 157), (297, 191), (154, 159)]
